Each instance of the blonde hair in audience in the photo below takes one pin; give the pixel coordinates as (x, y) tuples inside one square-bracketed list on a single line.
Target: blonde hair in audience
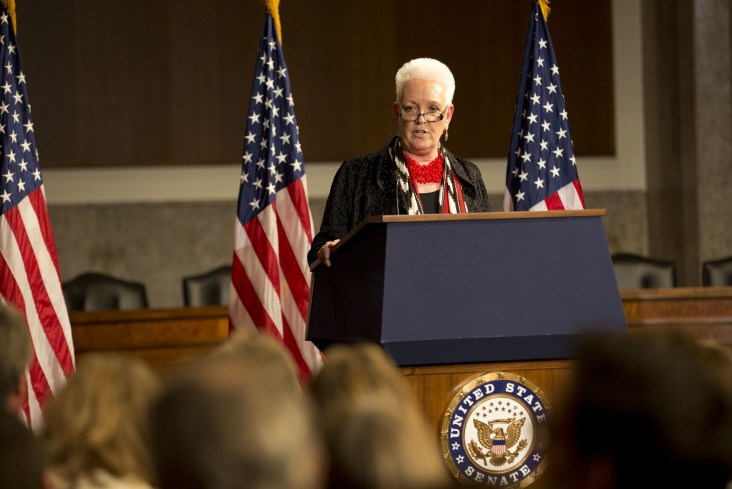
[(376, 443), (100, 419), (264, 352), (354, 370), (375, 432)]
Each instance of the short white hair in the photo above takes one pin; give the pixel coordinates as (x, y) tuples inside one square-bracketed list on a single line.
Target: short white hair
[(426, 69)]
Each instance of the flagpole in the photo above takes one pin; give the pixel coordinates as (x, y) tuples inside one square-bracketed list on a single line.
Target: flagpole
[(10, 6), (545, 9), (273, 6)]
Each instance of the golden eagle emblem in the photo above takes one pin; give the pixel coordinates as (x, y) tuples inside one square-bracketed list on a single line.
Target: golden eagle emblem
[(497, 441)]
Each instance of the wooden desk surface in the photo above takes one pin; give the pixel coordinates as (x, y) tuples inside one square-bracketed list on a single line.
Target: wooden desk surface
[(161, 337), (165, 338), (160, 334), (680, 302), (705, 312)]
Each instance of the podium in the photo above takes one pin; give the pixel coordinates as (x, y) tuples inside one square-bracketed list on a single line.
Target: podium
[(468, 288)]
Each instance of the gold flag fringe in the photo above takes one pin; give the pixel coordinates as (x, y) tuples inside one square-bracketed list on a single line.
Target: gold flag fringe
[(10, 5), (545, 9), (273, 6)]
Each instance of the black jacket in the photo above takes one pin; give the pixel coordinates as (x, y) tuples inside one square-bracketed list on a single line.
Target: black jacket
[(367, 186)]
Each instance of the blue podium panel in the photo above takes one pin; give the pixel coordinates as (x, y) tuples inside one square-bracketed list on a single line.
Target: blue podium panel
[(491, 287)]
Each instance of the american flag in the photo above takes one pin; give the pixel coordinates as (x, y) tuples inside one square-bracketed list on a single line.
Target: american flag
[(29, 275), (270, 275), (542, 169)]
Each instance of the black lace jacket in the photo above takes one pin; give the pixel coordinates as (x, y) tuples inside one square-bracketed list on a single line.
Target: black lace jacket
[(367, 186)]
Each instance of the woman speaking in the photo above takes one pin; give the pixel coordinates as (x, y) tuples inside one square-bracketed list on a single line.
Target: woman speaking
[(414, 173)]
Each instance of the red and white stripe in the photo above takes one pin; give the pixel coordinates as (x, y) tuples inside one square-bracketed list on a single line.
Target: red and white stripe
[(30, 280), (270, 275), (499, 448), (569, 197)]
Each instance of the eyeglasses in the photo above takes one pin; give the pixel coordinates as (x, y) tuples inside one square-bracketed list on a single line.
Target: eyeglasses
[(410, 114)]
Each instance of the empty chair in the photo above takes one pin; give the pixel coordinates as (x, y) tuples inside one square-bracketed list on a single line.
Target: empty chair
[(717, 272), (640, 272), (208, 289), (99, 292)]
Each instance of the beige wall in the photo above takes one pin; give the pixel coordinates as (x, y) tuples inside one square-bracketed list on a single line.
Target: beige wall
[(688, 105), (160, 243)]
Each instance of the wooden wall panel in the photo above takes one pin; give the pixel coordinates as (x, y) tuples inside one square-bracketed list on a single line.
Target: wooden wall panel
[(153, 82)]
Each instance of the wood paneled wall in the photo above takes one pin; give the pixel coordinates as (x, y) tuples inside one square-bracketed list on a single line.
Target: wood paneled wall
[(168, 82)]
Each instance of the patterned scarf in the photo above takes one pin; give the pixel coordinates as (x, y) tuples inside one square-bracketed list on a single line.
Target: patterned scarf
[(450, 190)]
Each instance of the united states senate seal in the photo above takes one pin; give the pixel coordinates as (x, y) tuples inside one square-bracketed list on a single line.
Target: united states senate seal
[(492, 430)]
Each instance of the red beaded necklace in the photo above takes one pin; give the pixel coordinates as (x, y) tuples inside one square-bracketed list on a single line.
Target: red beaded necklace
[(429, 173)]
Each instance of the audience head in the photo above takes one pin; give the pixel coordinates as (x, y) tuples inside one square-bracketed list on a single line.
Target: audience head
[(98, 424), (21, 461), (645, 411), (718, 359), (375, 443), (253, 428), (356, 370), (262, 352), (374, 431), (14, 358)]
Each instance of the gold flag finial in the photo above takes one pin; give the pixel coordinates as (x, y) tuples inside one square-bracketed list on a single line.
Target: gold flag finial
[(274, 10), (10, 5), (545, 9)]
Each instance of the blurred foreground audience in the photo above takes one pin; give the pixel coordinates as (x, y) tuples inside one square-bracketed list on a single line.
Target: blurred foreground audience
[(352, 371), (96, 433), (640, 411), (645, 410), (237, 420), (375, 433), (21, 461), (14, 358), (262, 352)]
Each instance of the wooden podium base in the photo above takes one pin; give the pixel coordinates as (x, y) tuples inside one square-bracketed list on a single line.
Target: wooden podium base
[(434, 386)]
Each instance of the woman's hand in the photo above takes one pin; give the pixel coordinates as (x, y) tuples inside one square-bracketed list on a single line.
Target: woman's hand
[(324, 252)]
